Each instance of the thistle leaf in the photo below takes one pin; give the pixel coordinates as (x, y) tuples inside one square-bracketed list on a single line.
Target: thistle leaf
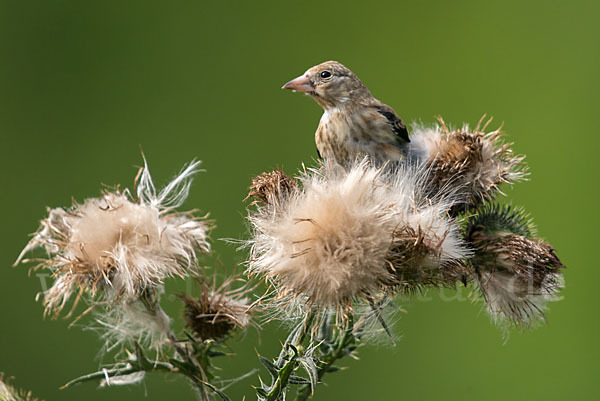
[(261, 392), (333, 368), (294, 379), (270, 366)]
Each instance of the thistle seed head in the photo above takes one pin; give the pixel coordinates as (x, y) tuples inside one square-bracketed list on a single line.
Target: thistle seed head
[(118, 244), (218, 310), (517, 274), (469, 159), (350, 234)]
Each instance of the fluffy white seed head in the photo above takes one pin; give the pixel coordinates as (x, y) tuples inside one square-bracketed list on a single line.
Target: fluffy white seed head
[(119, 244), (333, 239)]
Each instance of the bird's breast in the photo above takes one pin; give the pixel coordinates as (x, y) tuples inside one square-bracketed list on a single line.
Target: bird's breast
[(345, 134), (343, 126)]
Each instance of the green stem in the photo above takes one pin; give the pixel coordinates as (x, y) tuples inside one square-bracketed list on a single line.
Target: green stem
[(282, 381), (290, 364), (344, 338)]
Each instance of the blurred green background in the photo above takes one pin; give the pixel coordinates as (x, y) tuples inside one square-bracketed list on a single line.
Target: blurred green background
[(85, 84)]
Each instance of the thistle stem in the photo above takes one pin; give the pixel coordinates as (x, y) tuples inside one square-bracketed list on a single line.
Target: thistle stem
[(343, 339), (289, 364), (282, 381)]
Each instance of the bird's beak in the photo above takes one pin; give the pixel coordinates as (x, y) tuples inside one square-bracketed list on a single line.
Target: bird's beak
[(302, 84)]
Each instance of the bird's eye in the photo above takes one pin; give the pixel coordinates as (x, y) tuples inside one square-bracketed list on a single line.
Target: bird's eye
[(325, 74)]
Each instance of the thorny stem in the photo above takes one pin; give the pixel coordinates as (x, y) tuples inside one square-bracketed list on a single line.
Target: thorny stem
[(282, 381), (342, 340), (289, 364)]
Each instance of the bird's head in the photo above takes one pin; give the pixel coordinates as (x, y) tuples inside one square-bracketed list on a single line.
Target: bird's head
[(330, 84)]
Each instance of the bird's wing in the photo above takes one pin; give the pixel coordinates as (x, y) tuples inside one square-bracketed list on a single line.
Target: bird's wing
[(395, 122)]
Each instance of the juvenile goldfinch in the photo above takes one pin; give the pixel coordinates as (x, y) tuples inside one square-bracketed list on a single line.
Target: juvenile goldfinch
[(354, 123)]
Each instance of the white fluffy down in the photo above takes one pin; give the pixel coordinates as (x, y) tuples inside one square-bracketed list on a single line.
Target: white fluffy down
[(425, 142), (133, 321), (329, 241), (510, 299), (143, 246), (119, 244)]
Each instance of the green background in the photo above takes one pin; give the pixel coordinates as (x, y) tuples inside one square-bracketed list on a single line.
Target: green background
[(84, 84)]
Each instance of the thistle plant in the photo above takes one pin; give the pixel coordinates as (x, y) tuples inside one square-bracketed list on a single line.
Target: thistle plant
[(114, 253), (332, 247)]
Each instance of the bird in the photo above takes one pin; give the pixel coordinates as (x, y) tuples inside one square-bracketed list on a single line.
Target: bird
[(354, 123)]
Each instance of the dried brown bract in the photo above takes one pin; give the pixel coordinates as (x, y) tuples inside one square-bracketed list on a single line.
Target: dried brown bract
[(415, 260), (218, 310), (269, 187)]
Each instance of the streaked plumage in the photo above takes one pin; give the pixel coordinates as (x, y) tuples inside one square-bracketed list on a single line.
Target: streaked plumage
[(354, 123)]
